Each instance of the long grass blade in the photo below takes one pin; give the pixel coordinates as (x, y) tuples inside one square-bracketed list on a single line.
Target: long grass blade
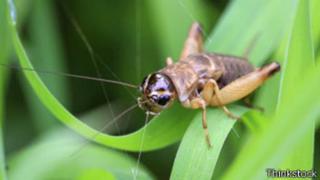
[(300, 58), (286, 142), (195, 160), (5, 47), (94, 162)]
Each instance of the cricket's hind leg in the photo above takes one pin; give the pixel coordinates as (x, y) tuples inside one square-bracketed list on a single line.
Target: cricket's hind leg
[(194, 42), (211, 90), (244, 85), (237, 89)]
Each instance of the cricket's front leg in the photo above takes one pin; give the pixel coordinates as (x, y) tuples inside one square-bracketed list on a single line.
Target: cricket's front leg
[(194, 42), (211, 90), (197, 103)]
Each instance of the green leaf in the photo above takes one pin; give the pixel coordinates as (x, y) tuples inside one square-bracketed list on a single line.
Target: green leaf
[(245, 21), (166, 13), (194, 159), (5, 47), (299, 52), (300, 57), (44, 44), (270, 146), (271, 87), (315, 20), (57, 156), (293, 125)]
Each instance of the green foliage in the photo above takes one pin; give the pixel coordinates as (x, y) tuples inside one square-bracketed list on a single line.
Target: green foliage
[(5, 46), (290, 100), (268, 150), (56, 152), (45, 44), (198, 162), (165, 15), (246, 22), (300, 47)]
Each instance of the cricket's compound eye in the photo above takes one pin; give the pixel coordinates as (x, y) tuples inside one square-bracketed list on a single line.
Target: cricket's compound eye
[(158, 92), (161, 100)]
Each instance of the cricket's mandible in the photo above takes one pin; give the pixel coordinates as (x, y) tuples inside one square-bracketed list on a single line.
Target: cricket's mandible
[(200, 79)]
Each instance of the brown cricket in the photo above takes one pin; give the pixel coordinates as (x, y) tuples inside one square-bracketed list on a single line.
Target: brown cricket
[(200, 79)]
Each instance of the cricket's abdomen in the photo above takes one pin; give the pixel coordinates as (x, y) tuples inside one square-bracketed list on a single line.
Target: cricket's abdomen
[(224, 69), (232, 68)]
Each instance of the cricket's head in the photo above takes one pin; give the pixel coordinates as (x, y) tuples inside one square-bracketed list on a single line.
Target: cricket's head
[(158, 93)]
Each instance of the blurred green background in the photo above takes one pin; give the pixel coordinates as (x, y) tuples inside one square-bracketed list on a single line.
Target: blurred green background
[(126, 40)]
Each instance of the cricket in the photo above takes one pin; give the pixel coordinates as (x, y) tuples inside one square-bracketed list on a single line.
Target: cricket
[(200, 79)]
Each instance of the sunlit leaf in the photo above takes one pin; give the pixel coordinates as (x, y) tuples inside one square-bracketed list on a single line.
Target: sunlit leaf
[(315, 21), (166, 14), (293, 125), (57, 156), (300, 57), (262, 23), (45, 44), (270, 147), (194, 159)]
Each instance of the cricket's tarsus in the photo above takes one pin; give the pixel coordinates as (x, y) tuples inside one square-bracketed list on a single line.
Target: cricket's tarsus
[(124, 112)]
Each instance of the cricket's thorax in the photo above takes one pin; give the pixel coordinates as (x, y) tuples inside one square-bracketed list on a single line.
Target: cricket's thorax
[(189, 74)]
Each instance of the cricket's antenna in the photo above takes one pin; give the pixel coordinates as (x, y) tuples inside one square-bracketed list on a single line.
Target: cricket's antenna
[(106, 126), (117, 118), (93, 55), (138, 36), (136, 170), (251, 45), (235, 132), (71, 75), (192, 17)]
